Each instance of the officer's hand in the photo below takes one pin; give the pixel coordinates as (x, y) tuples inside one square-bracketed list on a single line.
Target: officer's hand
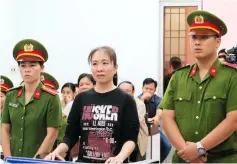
[(156, 120), (200, 159), (189, 152), (54, 156)]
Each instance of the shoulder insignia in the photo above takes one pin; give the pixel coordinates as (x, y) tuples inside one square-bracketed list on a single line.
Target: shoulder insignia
[(187, 66), (14, 88), (231, 65), (49, 90)]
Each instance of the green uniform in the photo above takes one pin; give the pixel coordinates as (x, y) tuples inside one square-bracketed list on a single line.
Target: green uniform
[(200, 106), (29, 122)]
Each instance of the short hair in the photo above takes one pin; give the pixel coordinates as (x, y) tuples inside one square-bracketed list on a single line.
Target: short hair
[(222, 51), (128, 82), (89, 76), (149, 81), (175, 62)]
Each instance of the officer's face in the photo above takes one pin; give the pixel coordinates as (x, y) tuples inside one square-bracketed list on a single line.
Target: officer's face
[(85, 84), (127, 88), (102, 67), (150, 88), (2, 99), (204, 43), (30, 71)]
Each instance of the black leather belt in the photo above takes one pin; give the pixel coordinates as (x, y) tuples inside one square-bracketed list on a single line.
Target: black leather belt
[(222, 153)]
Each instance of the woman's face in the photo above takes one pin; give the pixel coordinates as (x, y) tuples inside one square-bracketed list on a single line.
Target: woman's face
[(85, 84), (2, 99), (102, 67), (67, 94), (30, 71)]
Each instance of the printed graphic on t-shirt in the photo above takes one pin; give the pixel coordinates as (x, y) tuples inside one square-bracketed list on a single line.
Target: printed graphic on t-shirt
[(98, 123)]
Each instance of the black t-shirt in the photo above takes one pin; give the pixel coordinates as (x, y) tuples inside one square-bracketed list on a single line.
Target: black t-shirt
[(105, 121)]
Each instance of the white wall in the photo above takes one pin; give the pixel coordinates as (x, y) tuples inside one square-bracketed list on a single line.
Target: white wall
[(71, 28)]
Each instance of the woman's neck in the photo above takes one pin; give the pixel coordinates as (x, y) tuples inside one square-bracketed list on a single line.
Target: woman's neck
[(31, 87), (104, 87)]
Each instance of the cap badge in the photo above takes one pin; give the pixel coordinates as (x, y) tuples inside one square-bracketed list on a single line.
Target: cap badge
[(199, 19), (1, 81), (28, 48)]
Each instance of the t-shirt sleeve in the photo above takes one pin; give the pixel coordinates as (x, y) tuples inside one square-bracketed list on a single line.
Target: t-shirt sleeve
[(72, 132), (130, 122), (168, 99), (54, 113), (231, 103), (5, 114)]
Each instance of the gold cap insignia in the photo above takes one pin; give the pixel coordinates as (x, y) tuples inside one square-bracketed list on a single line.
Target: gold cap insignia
[(28, 48), (199, 19), (42, 78), (1, 81)]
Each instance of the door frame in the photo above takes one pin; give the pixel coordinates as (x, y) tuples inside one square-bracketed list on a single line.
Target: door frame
[(162, 5)]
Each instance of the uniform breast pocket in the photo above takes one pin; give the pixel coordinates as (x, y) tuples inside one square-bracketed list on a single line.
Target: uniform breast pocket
[(215, 103), (182, 104)]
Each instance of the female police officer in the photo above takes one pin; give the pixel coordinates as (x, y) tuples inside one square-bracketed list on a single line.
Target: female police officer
[(31, 114)]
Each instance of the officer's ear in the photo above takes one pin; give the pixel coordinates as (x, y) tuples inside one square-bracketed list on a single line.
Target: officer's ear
[(42, 67), (218, 41)]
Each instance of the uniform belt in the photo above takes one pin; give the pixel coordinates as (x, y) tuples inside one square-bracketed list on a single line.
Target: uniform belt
[(222, 153)]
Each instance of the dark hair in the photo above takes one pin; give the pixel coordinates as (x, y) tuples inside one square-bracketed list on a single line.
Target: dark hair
[(69, 85), (222, 51), (175, 62), (128, 82), (5, 92), (108, 50), (40, 62), (149, 81), (115, 79), (112, 55), (89, 76)]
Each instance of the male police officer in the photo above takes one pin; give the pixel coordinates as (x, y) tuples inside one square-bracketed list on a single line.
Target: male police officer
[(200, 107)]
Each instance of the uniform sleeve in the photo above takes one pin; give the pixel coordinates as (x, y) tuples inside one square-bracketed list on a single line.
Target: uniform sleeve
[(130, 122), (5, 114), (168, 99), (73, 123), (54, 113), (231, 103)]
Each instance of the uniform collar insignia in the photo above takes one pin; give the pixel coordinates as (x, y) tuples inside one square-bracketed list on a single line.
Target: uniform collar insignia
[(19, 93), (213, 71), (193, 72), (37, 94)]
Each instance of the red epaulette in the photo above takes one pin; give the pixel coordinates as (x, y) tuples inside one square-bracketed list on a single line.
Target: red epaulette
[(49, 90), (231, 65), (14, 88)]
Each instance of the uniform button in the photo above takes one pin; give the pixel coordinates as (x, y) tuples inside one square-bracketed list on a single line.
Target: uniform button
[(200, 87), (196, 132), (21, 128), (214, 97), (180, 99), (22, 118), (19, 149), (199, 102), (197, 117), (24, 108), (21, 139)]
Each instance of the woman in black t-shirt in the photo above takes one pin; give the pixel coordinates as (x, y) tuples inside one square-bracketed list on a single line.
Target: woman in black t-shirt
[(105, 117)]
